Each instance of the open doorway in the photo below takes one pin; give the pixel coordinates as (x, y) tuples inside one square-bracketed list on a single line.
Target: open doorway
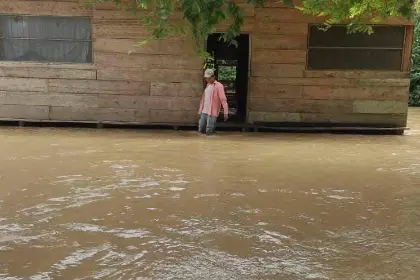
[(232, 65)]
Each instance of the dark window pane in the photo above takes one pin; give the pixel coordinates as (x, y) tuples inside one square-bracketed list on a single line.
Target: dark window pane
[(44, 50), (48, 39), (46, 27), (337, 36), (367, 59), (337, 49)]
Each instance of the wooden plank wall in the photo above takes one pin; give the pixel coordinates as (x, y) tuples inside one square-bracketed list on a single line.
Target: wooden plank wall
[(161, 82), (157, 83), (282, 90)]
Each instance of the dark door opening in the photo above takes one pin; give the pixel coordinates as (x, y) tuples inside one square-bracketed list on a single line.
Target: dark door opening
[(231, 65)]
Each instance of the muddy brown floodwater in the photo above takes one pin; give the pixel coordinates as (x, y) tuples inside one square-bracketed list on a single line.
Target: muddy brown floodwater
[(116, 204)]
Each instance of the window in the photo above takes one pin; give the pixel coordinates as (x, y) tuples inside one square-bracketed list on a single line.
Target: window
[(46, 39), (337, 49)]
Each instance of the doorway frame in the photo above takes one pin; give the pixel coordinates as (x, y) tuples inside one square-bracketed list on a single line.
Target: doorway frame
[(248, 85)]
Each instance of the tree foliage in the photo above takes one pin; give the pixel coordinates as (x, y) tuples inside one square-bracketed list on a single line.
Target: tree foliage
[(415, 68), (201, 16), (227, 73), (358, 12)]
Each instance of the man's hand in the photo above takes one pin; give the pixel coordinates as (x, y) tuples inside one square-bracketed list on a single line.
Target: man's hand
[(226, 117)]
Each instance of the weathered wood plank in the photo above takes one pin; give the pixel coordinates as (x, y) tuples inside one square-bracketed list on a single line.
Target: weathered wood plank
[(300, 105), (49, 99), (169, 103), (279, 42), (380, 107), (332, 81), (355, 93), (44, 8), (125, 46), (279, 56), (20, 71), (186, 104), (24, 112), (119, 30), (92, 114), (247, 27), (144, 61), (107, 5), (119, 101), (277, 70), (275, 91), (173, 116), (399, 21), (112, 6), (49, 65), (104, 15), (408, 45), (23, 84), (357, 74), (161, 75), (93, 86), (248, 9), (399, 120), (403, 82), (262, 27), (273, 117), (273, 15), (176, 89)]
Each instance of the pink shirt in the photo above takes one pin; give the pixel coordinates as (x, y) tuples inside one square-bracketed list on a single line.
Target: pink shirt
[(217, 100)]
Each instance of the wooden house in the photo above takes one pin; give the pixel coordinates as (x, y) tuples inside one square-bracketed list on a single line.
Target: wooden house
[(62, 62)]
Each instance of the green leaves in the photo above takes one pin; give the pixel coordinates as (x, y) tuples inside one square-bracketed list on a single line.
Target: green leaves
[(414, 99), (201, 16), (358, 13)]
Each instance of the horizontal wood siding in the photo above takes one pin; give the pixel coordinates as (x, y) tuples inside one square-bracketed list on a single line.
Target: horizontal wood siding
[(44, 8), (282, 90), (161, 82)]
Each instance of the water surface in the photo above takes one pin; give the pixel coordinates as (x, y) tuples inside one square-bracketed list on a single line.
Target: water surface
[(115, 204)]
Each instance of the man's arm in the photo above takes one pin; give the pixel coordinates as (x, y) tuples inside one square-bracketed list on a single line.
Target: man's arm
[(201, 104), (223, 100)]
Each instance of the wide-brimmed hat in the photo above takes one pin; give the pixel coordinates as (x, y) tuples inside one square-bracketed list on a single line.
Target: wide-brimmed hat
[(208, 73)]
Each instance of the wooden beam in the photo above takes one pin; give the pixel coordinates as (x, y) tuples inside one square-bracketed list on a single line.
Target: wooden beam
[(44, 8), (46, 70), (408, 44)]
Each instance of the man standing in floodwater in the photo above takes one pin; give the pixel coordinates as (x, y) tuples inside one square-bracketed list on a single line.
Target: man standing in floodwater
[(212, 100)]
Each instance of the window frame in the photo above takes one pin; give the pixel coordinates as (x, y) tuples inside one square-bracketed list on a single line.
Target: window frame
[(88, 61), (402, 49)]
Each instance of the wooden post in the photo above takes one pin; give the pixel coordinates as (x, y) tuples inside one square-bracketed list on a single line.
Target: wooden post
[(408, 44)]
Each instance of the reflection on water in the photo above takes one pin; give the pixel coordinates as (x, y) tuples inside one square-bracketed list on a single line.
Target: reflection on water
[(98, 204)]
